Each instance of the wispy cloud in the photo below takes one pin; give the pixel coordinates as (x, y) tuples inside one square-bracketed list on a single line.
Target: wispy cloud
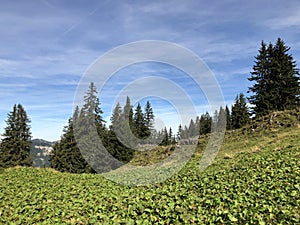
[(291, 20), (47, 46)]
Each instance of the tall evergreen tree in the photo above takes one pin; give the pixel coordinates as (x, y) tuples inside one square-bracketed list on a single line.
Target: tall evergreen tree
[(92, 135), (124, 128), (149, 118), (239, 112), (192, 129), (286, 78), (66, 156), (197, 126), (222, 119), (15, 146), (170, 134), (228, 119), (165, 141), (115, 146), (260, 75), (92, 110), (116, 117), (205, 123), (128, 111), (140, 128), (276, 80), (127, 117)]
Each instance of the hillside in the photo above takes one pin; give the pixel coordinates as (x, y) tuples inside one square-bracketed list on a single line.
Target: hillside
[(40, 151), (275, 131), (254, 180)]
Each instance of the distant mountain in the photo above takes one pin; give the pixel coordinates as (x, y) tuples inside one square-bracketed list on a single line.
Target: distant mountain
[(40, 152), (41, 142)]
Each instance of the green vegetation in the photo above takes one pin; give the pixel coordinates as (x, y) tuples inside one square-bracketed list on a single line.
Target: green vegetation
[(276, 131), (256, 180)]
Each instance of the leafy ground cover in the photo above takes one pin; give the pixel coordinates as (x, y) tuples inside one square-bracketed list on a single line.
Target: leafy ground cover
[(255, 180), (261, 188)]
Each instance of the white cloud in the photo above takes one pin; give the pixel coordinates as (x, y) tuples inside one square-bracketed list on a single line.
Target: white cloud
[(291, 20), (46, 46)]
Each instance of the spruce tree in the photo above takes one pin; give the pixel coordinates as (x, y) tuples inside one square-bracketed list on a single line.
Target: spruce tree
[(125, 130), (92, 109), (92, 135), (239, 112), (140, 128), (116, 117), (66, 156), (260, 75), (115, 146), (170, 134), (15, 146), (276, 80), (192, 129), (286, 78), (222, 119), (205, 123), (165, 139), (197, 126), (228, 119), (128, 112), (127, 120), (149, 118)]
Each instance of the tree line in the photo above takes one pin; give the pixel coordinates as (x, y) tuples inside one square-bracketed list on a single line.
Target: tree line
[(275, 86)]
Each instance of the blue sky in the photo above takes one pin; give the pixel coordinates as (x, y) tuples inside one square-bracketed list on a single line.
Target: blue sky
[(47, 45)]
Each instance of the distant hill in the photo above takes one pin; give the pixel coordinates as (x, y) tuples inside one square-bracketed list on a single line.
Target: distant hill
[(40, 151), (41, 142)]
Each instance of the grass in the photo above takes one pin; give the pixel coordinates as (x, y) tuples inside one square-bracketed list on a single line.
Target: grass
[(273, 132)]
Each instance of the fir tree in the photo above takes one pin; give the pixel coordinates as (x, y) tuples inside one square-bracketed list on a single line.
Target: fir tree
[(115, 146), (222, 119), (165, 140), (276, 80), (228, 119), (260, 75), (205, 123), (192, 129), (286, 78), (66, 156), (15, 146), (132, 126), (91, 109), (127, 118), (116, 117), (149, 118), (240, 113), (140, 128), (92, 135), (170, 134), (128, 112)]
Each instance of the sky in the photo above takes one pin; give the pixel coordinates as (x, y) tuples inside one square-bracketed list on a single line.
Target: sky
[(47, 46)]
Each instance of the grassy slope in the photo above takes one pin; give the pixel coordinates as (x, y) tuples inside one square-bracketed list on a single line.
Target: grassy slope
[(258, 182), (276, 131)]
